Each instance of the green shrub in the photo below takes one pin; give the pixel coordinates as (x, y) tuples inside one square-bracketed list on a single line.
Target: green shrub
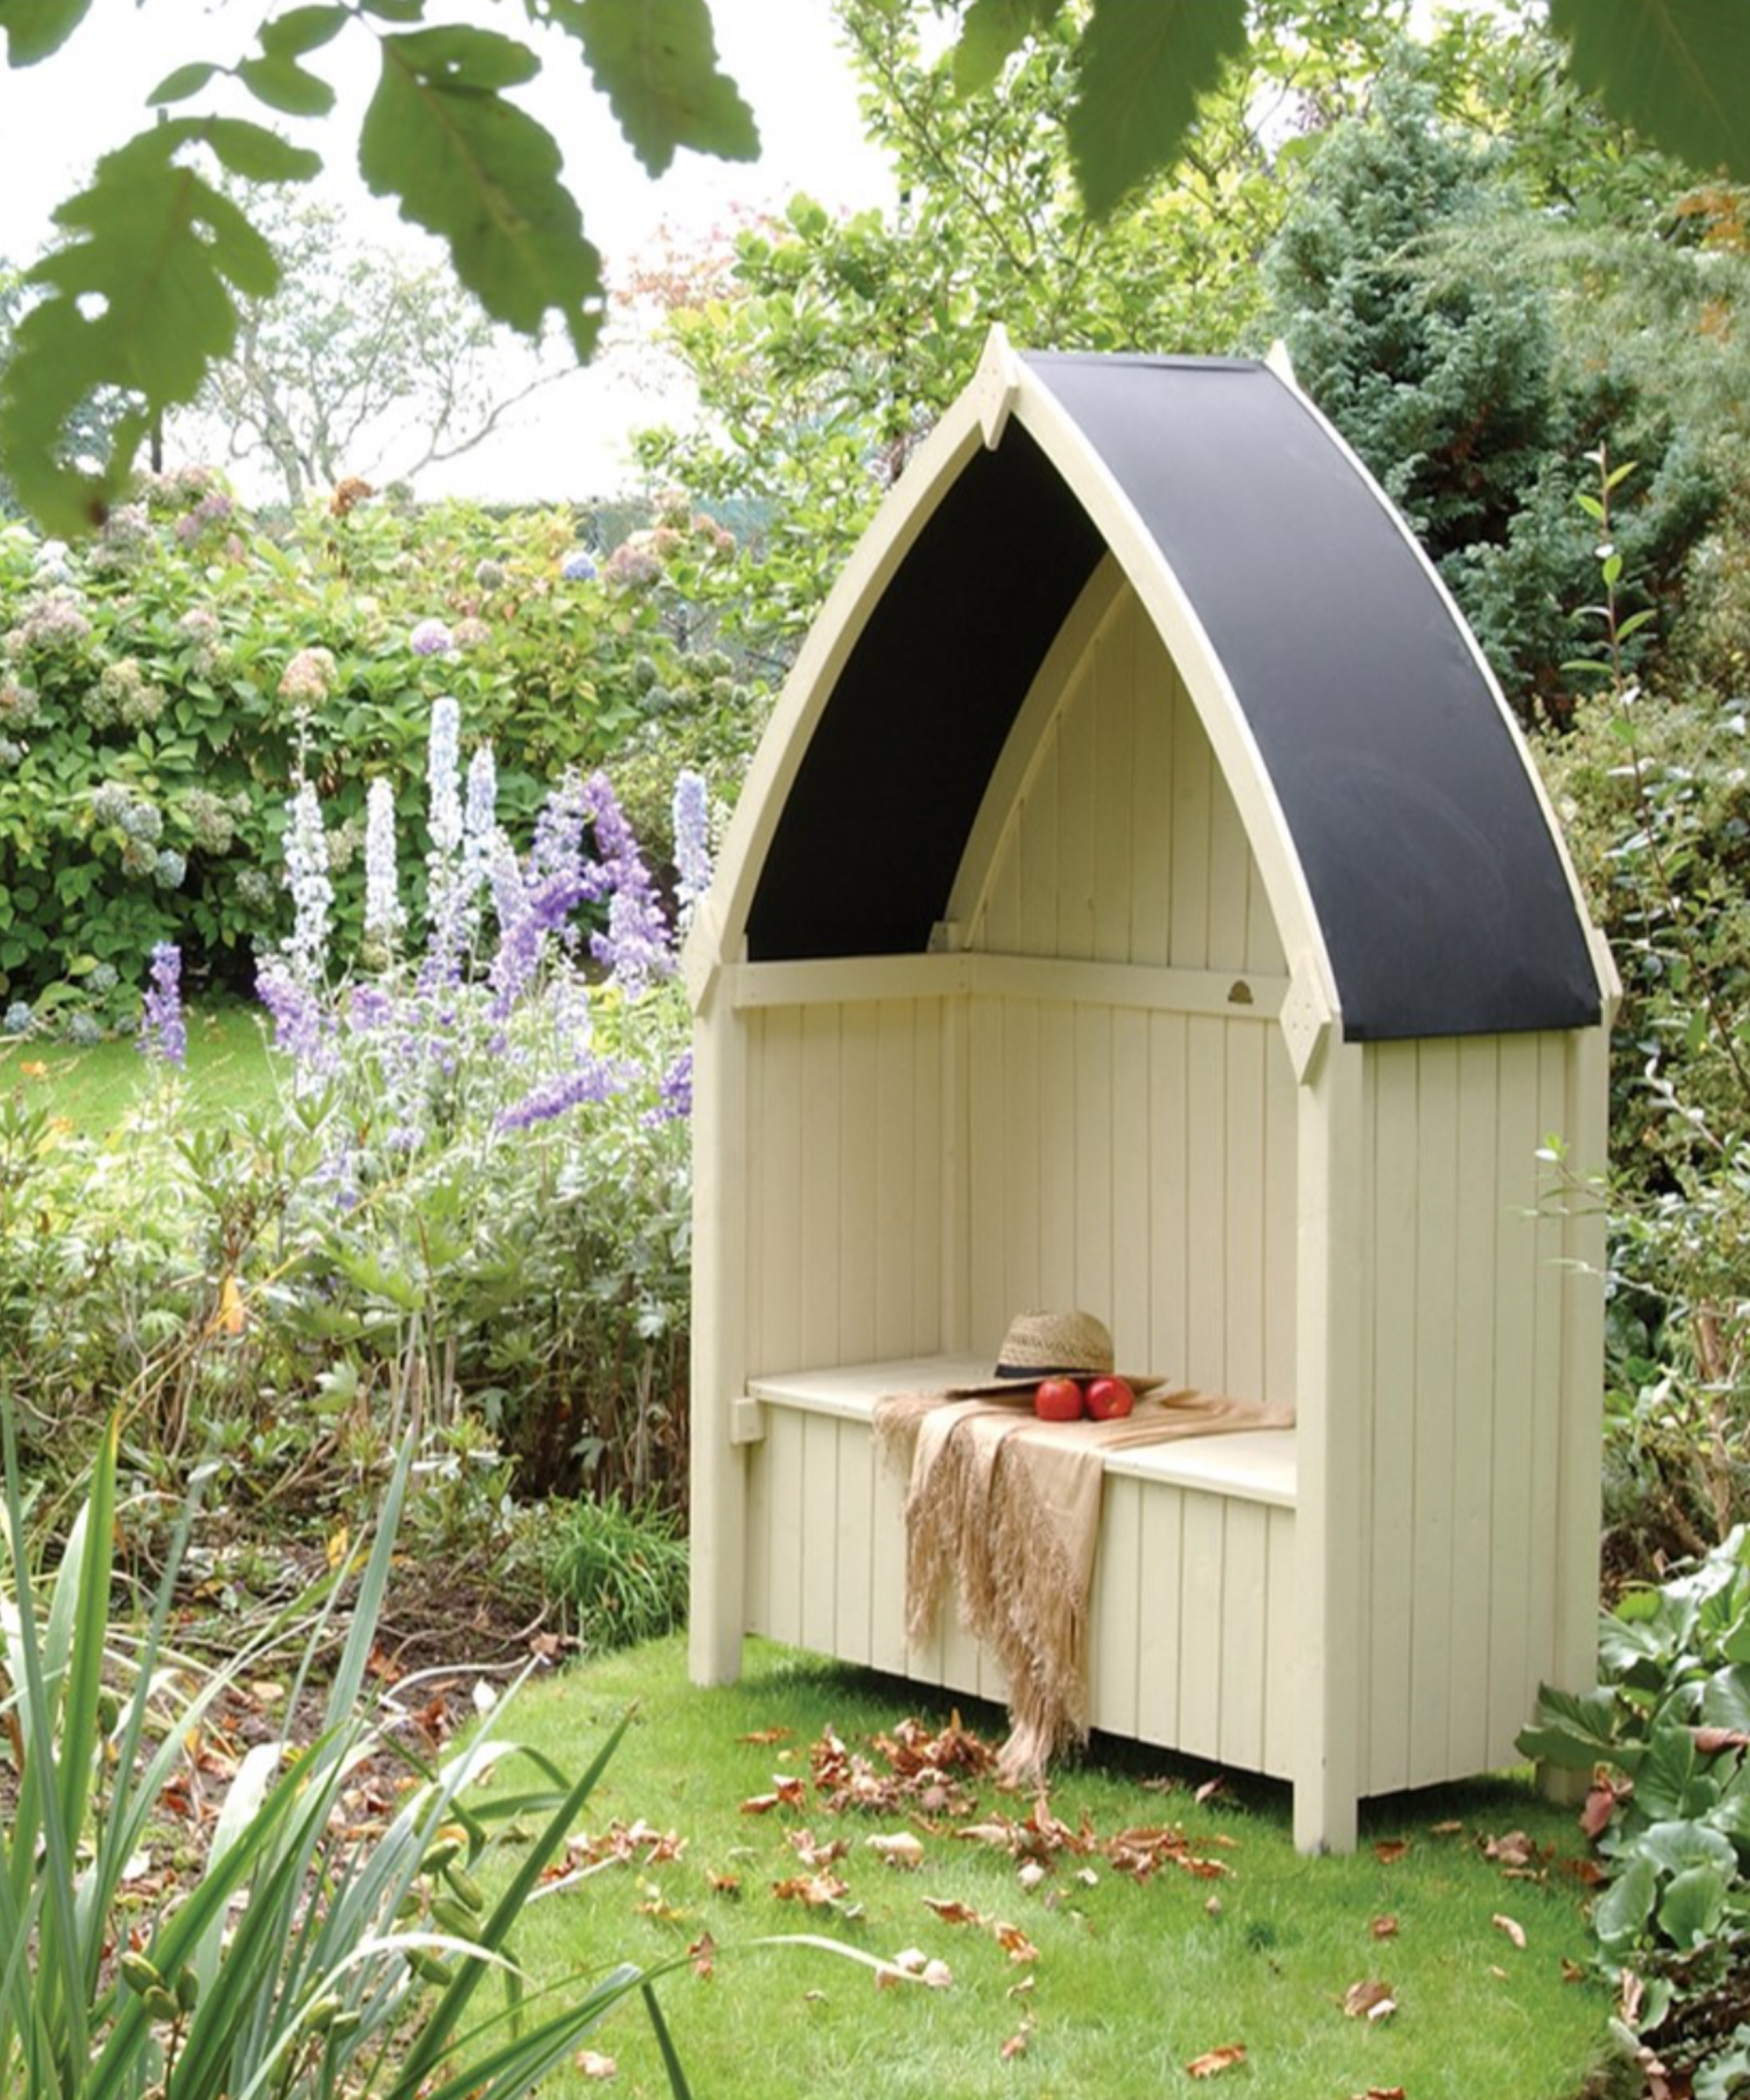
[(162, 687), (1664, 1735), (620, 1571)]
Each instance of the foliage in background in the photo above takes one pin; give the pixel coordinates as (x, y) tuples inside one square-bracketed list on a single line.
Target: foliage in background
[(321, 1946), (1654, 788), (159, 686), (144, 297), (366, 362), (1474, 334), (824, 349)]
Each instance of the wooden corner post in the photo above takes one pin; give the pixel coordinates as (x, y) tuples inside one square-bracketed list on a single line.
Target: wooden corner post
[(719, 1475), (1333, 1263)]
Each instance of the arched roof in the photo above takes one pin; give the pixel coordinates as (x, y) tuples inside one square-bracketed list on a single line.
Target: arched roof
[(1380, 757)]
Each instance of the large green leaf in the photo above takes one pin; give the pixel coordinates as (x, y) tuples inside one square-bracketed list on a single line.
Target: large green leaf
[(992, 31), (476, 170), (657, 65), (1670, 1784), (1693, 1905), (1142, 64), (36, 29), (137, 303), (1624, 1911), (1575, 1731), (1677, 70)]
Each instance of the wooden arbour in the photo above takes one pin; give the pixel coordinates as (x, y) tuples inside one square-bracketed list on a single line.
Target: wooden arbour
[(1143, 900)]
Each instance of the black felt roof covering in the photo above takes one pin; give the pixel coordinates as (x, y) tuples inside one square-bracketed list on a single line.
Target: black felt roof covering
[(1443, 902)]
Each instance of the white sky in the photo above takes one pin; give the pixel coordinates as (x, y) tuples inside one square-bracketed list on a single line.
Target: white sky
[(55, 119)]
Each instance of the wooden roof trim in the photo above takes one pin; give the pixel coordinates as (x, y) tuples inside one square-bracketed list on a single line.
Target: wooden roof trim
[(1211, 692)]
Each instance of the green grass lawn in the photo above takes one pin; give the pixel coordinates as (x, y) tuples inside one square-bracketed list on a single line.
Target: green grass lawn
[(1130, 1982), (228, 1070)]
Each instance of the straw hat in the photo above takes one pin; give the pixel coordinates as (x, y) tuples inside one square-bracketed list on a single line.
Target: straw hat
[(1055, 1345)]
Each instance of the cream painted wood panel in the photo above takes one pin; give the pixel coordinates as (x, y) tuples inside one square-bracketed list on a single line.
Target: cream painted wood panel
[(1142, 1166), (1467, 1335), (1192, 1624), (1392, 1516), (1513, 1503), (1481, 1222), (1124, 843), (846, 1179)]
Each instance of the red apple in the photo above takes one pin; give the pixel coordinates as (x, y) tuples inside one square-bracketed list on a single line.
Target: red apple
[(1057, 1400), (1108, 1398)]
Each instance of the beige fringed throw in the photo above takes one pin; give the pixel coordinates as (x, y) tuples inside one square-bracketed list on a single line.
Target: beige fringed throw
[(1009, 1507)]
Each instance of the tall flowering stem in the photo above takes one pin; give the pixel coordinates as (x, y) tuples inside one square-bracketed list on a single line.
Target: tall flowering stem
[(384, 916), (692, 844), (636, 946), (163, 1031), (313, 893)]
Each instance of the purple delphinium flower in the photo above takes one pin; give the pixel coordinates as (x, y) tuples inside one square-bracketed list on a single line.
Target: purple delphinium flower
[(480, 831), (383, 914), (578, 568), (432, 638), (594, 1079), (369, 1008), (442, 757), (692, 842), (163, 1030), (635, 947), (675, 1094), (307, 877), (546, 908), (558, 845), (300, 1025)]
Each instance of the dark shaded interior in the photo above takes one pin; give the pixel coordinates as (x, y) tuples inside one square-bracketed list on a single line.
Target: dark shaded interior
[(1443, 902), (869, 841)]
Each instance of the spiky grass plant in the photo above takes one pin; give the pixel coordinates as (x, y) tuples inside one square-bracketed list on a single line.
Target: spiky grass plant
[(314, 1955)]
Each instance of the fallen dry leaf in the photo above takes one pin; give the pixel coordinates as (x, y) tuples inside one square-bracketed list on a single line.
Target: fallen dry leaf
[(1209, 1789), (1452, 1828), (818, 1891), (765, 1735), (1017, 2043), (951, 1911), (1370, 2001), (1381, 2092), (1390, 1851), (593, 2064), (1515, 1849), (818, 1852), (1032, 1874), (1511, 1927), (1384, 1928), (1573, 1973), (724, 1884), (901, 1850), (702, 1955), (785, 1794), (1014, 1943), (1213, 2061)]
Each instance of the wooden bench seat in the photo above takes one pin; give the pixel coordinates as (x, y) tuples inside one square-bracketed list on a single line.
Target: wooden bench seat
[(1193, 1624)]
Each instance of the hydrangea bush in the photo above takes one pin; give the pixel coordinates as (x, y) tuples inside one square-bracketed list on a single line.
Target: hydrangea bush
[(163, 686)]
